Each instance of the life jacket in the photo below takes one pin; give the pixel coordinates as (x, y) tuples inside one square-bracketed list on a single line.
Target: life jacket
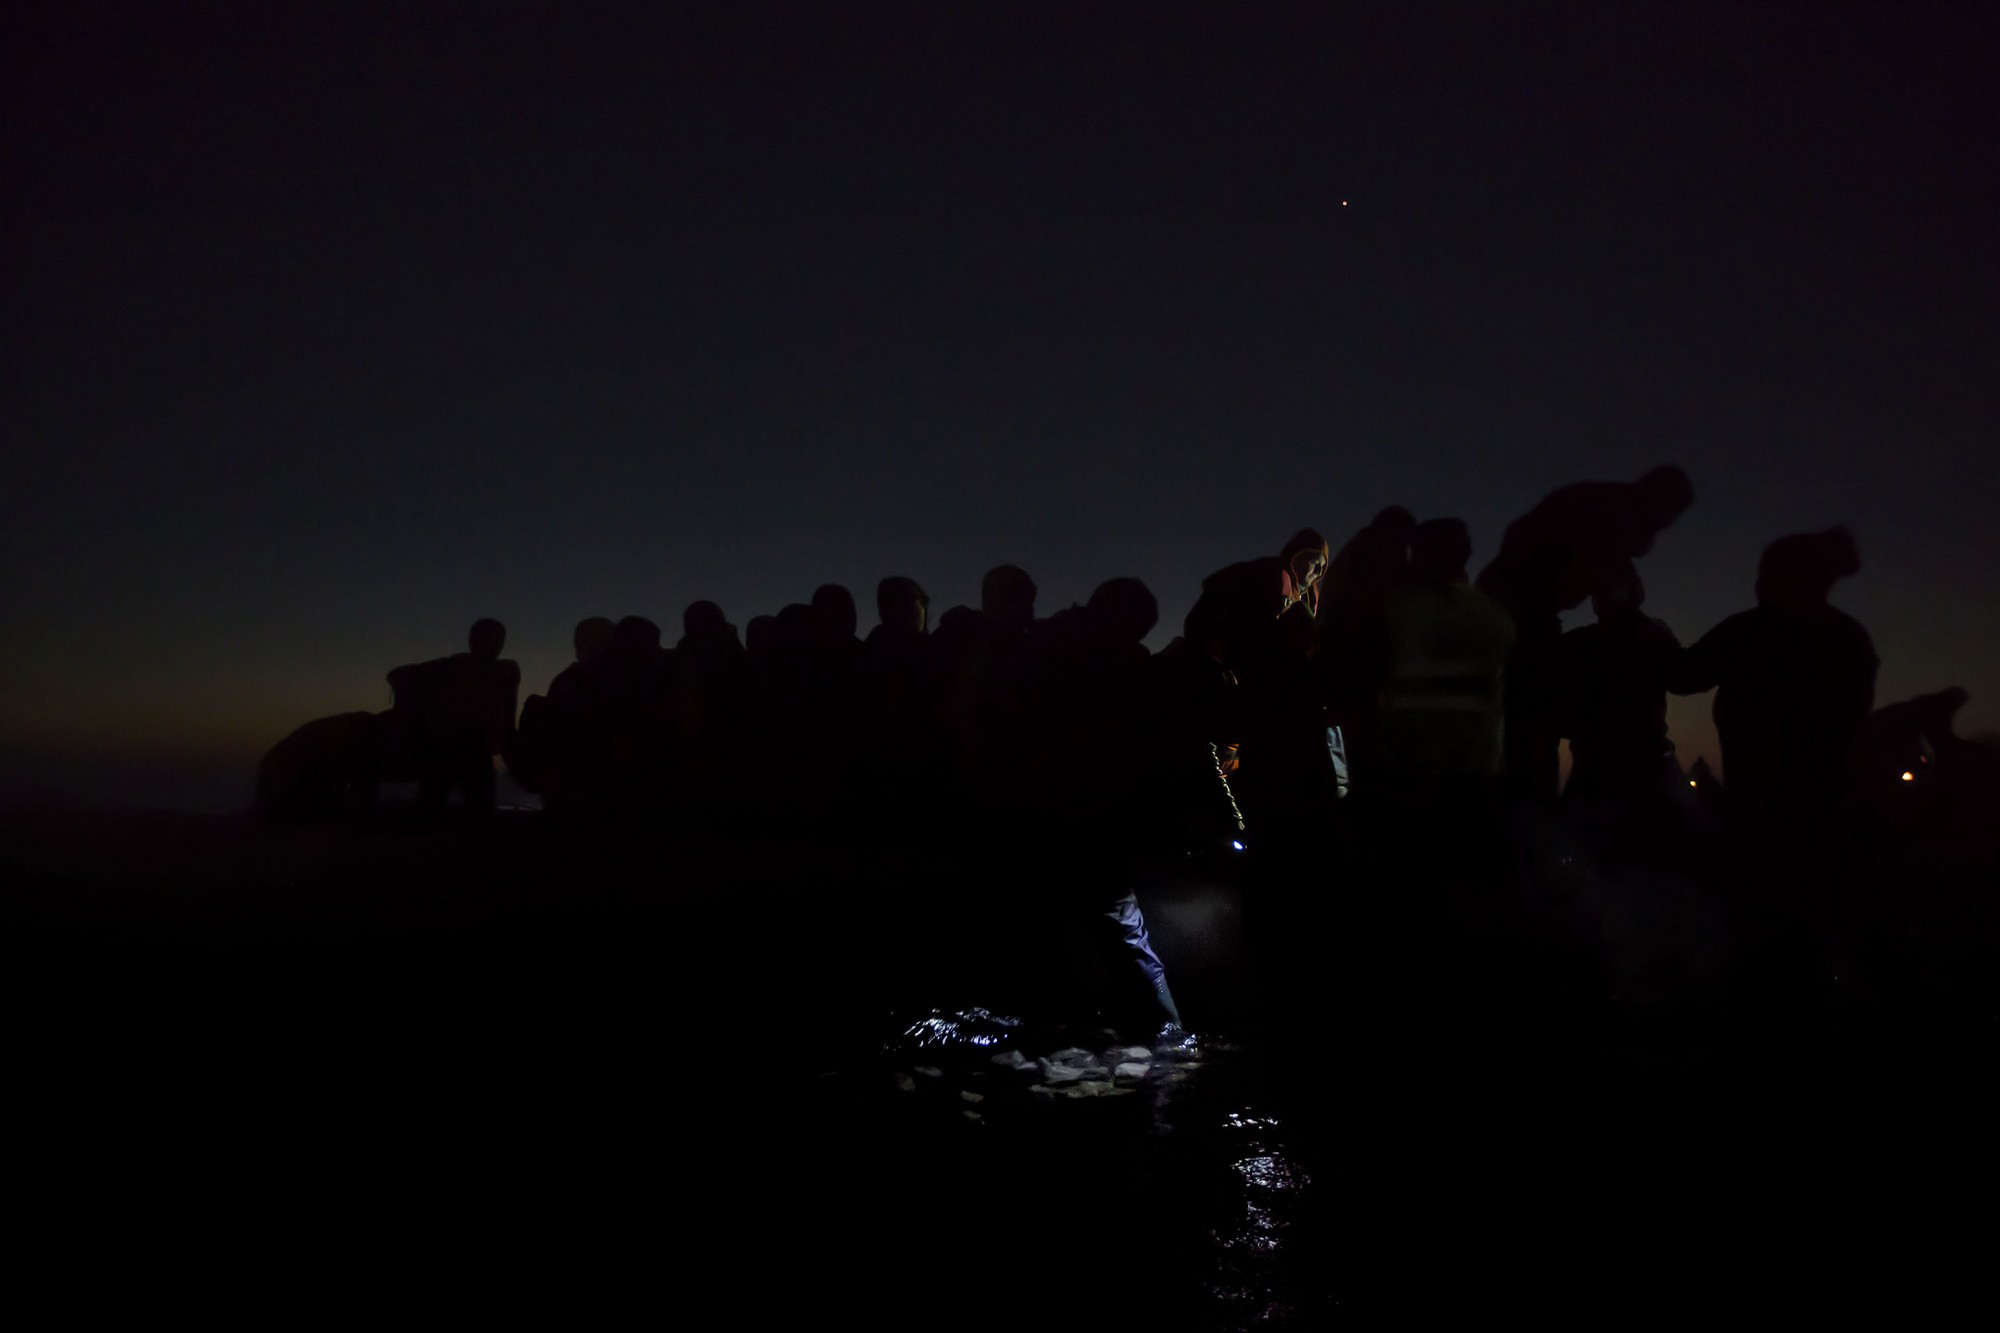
[(1442, 703)]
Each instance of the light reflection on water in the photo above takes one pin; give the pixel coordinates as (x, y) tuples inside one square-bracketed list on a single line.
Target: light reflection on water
[(978, 1028), (1248, 1119), (1251, 1241), (1238, 1183)]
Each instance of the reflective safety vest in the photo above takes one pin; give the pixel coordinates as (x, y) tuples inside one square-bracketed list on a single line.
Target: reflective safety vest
[(1441, 699)]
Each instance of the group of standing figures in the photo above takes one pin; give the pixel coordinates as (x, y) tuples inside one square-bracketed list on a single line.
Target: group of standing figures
[(1376, 692)]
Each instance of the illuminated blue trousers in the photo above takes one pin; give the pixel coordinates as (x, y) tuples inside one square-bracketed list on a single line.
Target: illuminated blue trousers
[(1127, 947)]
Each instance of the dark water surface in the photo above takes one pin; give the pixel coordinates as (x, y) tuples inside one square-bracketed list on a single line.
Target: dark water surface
[(539, 1073)]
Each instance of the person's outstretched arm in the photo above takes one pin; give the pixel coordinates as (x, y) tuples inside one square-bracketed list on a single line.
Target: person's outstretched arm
[(1698, 669)]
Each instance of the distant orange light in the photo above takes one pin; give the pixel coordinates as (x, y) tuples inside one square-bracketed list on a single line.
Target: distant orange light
[(1909, 777), (1693, 783)]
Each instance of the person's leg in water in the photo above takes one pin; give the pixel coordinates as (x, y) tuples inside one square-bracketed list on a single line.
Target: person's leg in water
[(1135, 968)]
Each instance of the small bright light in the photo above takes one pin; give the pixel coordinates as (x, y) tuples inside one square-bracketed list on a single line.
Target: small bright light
[(1239, 846), (1693, 783), (1909, 777)]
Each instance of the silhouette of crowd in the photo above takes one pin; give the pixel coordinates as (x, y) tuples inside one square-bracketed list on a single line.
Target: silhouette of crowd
[(1368, 713)]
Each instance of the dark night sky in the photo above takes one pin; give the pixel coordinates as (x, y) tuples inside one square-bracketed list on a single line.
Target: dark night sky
[(329, 328)]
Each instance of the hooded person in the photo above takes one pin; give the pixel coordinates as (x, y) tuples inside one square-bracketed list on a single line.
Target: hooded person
[(1254, 621), (1241, 607)]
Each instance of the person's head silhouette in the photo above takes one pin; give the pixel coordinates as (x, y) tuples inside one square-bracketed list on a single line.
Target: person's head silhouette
[(1800, 570), (487, 638), (1007, 596), (834, 615), (1128, 608), (902, 606)]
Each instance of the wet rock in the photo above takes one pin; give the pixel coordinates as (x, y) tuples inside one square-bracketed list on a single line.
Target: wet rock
[(1123, 1053), (1045, 1091), (1073, 1055), (1132, 1069), (1092, 1087), (1055, 1073), (905, 1083), (973, 1116), (971, 1097), (1016, 1061), (930, 1071)]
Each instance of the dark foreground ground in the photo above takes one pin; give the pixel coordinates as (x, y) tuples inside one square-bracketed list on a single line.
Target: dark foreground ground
[(516, 1069)]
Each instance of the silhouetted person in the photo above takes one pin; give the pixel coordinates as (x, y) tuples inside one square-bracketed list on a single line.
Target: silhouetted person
[(461, 711), (835, 654), (704, 627), (759, 635), (1238, 613), (1431, 845), (830, 696), (1794, 681), (711, 685), (1254, 620), (540, 753), (906, 753), (1373, 562), (631, 752), (1577, 540), (1007, 598), (1914, 737), (1348, 635), (1082, 696), (955, 634), (780, 672), (591, 641), (1612, 696), (1082, 712), (327, 767), (902, 608), (1445, 657), (835, 617), (793, 632), (1462, 938), (979, 655)]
